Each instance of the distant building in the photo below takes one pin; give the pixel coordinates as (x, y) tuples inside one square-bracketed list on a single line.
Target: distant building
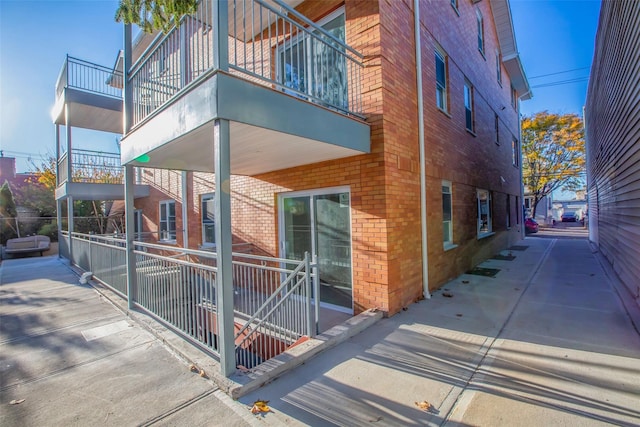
[(612, 118)]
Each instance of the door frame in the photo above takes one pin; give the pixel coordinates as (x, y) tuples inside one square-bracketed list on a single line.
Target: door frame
[(281, 231)]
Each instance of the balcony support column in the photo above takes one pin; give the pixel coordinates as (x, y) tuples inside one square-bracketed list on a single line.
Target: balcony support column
[(129, 210), (58, 158), (127, 104), (185, 209), (69, 156), (70, 226), (224, 277)]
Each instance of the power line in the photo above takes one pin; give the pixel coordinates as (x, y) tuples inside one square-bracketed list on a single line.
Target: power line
[(562, 82), (559, 72)]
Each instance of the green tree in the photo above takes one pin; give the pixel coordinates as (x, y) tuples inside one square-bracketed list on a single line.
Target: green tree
[(8, 214), (34, 195), (151, 15), (553, 153)]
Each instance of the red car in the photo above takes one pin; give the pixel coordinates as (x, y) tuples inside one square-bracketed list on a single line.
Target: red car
[(530, 226)]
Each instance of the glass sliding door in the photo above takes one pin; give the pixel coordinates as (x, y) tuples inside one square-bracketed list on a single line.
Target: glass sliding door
[(319, 222)]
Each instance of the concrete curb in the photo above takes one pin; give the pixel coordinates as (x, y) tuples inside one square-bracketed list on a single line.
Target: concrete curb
[(240, 383)]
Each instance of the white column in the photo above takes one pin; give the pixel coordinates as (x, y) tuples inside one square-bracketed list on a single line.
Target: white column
[(130, 234)]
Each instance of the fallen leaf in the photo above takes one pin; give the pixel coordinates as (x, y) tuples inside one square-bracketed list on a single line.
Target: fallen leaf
[(203, 374), (465, 281), (16, 402), (424, 405), (260, 406), (193, 368), (447, 294), (376, 419), (459, 315)]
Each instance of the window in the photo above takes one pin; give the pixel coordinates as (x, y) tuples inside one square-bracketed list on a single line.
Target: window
[(499, 67), (167, 232), (508, 211), (516, 152), (514, 98), (518, 210), (480, 32), (497, 125), (484, 213), (441, 81), (208, 220), (307, 67), (468, 105), (446, 214)]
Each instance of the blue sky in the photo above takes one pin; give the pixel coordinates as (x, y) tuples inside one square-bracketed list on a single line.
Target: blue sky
[(35, 36)]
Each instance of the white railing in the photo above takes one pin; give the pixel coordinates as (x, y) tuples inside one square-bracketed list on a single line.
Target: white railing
[(89, 77), (272, 296), (274, 46)]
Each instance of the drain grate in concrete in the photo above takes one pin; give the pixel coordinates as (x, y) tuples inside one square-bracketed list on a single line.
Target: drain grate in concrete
[(504, 257), (518, 248), (486, 272)]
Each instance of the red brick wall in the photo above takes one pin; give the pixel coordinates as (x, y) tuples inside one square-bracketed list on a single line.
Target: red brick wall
[(385, 185)]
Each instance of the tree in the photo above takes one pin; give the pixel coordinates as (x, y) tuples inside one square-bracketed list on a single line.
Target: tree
[(35, 195), (151, 15), (553, 153), (8, 214)]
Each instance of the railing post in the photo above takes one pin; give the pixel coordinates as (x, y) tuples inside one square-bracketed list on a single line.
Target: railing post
[(311, 330), (129, 235), (59, 222), (316, 290), (68, 134)]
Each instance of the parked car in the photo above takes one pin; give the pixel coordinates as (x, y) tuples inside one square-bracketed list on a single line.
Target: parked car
[(570, 216), (530, 226)]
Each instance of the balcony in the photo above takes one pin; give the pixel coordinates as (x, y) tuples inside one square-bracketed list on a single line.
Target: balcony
[(88, 96), (93, 175), (290, 89)]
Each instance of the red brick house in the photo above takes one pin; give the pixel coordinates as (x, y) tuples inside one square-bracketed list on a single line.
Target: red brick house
[(394, 160)]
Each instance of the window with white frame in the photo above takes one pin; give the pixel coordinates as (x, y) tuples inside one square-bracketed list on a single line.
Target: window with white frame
[(207, 209), (497, 125), (441, 80), (480, 21), (468, 105), (484, 212), (447, 225), (167, 225), (499, 67), (514, 98)]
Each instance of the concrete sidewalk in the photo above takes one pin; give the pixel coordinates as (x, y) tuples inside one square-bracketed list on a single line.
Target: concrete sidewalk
[(76, 360), (545, 342)]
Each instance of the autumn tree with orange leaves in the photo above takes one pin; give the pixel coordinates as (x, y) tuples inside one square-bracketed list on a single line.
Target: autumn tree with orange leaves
[(553, 154)]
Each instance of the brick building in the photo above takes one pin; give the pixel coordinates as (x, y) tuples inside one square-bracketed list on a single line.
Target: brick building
[(394, 160)]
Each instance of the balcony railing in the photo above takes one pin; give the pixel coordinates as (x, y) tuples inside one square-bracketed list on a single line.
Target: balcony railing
[(272, 296), (89, 77), (91, 167), (274, 46)]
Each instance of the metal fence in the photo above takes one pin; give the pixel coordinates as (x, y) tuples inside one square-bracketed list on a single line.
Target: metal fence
[(96, 167), (272, 45), (89, 77), (272, 296)]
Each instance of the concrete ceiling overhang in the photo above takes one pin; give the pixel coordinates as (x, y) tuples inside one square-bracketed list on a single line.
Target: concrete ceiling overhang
[(254, 151), (89, 111), (508, 48), (269, 130)]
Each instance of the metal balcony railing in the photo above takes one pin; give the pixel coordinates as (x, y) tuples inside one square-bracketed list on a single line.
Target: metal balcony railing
[(89, 77), (91, 167), (271, 45), (272, 296)]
